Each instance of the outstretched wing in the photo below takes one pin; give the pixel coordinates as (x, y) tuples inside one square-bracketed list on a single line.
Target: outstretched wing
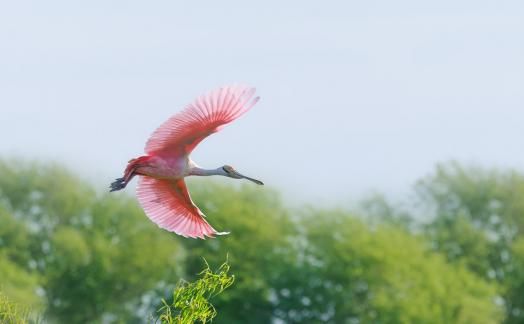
[(206, 115), (168, 204)]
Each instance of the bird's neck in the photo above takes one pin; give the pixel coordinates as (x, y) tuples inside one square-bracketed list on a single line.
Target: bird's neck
[(197, 171)]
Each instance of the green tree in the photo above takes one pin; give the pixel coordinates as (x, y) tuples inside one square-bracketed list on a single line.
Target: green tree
[(514, 284), (352, 272), (479, 221), (16, 278), (490, 199), (94, 256)]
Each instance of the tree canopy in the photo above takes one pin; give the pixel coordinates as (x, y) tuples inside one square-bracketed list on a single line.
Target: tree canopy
[(77, 254)]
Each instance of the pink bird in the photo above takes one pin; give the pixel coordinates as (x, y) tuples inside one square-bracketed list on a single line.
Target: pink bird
[(162, 191)]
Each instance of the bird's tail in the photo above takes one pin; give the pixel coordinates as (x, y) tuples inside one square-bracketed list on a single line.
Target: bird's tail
[(129, 173)]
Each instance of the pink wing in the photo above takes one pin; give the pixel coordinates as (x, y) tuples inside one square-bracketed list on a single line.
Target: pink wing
[(206, 115), (168, 204)]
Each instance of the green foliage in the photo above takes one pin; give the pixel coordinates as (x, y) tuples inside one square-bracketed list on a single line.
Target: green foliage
[(377, 209), (80, 256), (90, 255), (259, 247), (479, 222), (191, 300), (490, 199), (18, 284), (119, 256), (12, 313), (514, 284), (353, 272)]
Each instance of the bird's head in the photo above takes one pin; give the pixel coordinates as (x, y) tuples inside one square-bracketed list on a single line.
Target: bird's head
[(232, 173)]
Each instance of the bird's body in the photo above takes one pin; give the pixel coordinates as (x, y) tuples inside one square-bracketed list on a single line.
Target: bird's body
[(162, 191), (164, 167)]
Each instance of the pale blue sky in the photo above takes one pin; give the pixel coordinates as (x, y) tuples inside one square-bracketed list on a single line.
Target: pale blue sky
[(356, 95)]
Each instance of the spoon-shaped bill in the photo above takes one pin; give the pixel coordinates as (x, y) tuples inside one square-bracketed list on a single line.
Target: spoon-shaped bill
[(241, 176)]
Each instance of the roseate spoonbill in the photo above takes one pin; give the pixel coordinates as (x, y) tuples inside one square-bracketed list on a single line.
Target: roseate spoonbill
[(161, 191)]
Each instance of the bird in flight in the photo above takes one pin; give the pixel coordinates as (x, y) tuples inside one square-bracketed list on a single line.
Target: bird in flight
[(162, 191)]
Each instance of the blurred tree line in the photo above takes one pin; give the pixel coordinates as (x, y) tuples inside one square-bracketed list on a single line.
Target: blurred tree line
[(82, 256)]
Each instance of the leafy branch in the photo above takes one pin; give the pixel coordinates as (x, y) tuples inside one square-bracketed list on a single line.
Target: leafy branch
[(11, 312), (191, 300)]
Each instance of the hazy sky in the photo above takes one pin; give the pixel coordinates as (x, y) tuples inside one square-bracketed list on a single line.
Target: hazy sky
[(356, 95)]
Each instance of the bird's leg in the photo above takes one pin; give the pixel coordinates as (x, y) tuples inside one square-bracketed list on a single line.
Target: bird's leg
[(130, 172), (121, 183)]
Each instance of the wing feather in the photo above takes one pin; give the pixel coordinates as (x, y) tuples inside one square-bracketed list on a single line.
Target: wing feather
[(206, 115), (168, 204)]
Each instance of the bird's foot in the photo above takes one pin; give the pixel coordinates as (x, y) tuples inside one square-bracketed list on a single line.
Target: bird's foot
[(118, 184)]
